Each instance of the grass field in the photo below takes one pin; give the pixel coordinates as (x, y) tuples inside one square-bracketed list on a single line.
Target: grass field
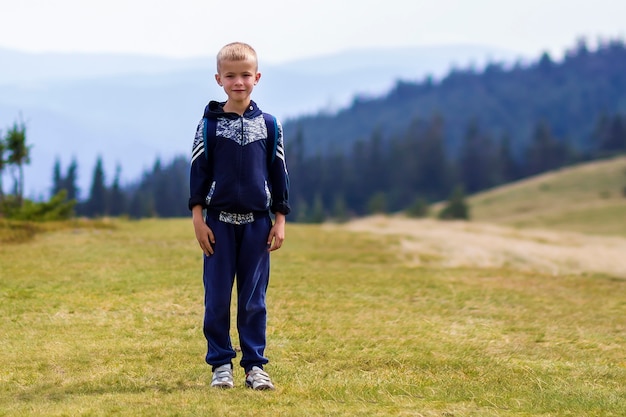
[(102, 321), (520, 312)]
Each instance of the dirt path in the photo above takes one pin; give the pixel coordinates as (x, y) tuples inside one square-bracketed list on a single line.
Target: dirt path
[(455, 244)]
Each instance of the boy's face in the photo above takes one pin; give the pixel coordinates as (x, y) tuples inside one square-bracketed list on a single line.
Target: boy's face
[(238, 78)]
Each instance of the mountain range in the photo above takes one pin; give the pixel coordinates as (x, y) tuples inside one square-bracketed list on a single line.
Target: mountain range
[(131, 109)]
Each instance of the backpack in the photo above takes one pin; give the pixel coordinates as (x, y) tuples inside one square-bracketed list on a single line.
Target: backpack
[(210, 125)]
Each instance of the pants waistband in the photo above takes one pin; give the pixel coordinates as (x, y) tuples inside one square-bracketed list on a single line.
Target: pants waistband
[(236, 218)]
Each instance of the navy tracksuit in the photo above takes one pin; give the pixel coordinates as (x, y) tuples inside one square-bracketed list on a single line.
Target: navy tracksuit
[(233, 180)]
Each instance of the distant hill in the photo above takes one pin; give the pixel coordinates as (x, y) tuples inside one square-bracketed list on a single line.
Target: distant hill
[(133, 109), (589, 198), (569, 96), (20, 68)]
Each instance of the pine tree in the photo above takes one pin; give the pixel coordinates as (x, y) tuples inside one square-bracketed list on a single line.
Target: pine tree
[(57, 178), (456, 207), (509, 168), (340, 209), (19, 155), (374, 167), (600, 135), (545, 151), (377, 204), (476, 160), (408, 164), (141, 205), (97, 204), (419, 208), (301, 210), (432, 163), (359, 190), (70, 181), (67, 183), (616, 142), (318, 214), (117, 198)]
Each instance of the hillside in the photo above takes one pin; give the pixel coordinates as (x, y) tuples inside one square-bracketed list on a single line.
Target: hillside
[(473, 129), (588, 198)]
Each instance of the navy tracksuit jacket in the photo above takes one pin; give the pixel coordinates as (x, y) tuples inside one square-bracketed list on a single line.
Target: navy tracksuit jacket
[(238, 189)]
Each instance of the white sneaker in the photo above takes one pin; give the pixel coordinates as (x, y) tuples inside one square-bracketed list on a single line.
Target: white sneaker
[(223, 377), (258, 379)]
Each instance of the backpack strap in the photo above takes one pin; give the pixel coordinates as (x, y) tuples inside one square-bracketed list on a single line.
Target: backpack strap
[(272, 137), (208, 133)]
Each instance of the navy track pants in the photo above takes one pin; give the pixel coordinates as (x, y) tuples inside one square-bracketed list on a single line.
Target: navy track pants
[(240, 251)]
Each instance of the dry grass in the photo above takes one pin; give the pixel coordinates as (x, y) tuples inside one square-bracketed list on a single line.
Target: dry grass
[(471, 244), (18, 231)]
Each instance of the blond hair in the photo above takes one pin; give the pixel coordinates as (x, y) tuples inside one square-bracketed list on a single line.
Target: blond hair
[(236, 51)]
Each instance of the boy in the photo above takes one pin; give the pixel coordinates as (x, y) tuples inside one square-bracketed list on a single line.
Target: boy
[(237, 187)]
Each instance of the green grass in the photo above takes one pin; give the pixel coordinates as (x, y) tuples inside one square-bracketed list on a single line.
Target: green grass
[(107, 321)]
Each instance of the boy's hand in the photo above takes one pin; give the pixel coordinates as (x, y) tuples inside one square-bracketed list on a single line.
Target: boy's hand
[(204, 234), (277, 233)]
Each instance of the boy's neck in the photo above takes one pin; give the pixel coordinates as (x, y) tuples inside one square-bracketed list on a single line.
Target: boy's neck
[(238, 107)]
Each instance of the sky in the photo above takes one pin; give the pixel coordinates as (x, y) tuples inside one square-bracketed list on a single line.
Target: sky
[(285, 30)]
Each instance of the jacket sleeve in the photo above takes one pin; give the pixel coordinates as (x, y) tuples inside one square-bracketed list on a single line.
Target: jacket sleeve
[(200, 175), (279, 177)]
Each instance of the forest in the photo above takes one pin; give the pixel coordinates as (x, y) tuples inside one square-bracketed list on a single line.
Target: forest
[(420, 143)]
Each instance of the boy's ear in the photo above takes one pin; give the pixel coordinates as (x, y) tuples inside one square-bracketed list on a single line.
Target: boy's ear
[(257, 77), (218, 79)]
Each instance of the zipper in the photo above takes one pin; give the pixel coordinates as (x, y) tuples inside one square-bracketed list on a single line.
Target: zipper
[(239, 160)]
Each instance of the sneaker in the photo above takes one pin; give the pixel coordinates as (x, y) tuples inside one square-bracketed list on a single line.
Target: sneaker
[(258, 379), (223, 377)]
